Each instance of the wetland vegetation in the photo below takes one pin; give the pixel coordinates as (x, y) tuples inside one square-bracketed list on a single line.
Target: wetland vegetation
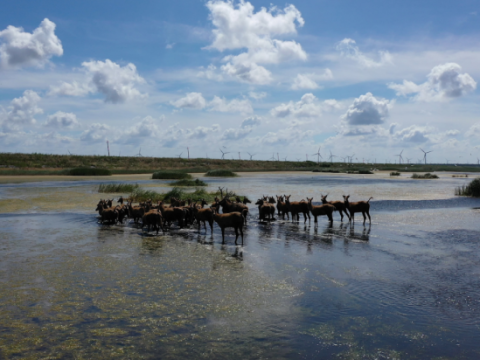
[(472, 189)]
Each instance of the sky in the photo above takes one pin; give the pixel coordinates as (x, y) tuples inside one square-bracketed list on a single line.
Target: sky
[(250, 79)]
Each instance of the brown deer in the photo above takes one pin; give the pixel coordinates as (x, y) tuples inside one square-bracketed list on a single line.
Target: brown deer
[(153, 218), (356, 207), (265, 210), (297, 207), (229, 206), (233, 219), (204, 215), (339, 205), (320, 210), (282, 207)]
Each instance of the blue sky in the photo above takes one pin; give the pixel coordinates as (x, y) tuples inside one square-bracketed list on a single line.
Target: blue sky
[(370, 78)]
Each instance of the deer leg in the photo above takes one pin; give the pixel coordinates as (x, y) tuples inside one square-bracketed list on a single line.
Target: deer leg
[(211, 225), (236, 235), (223, 235), (341, 214), (330, 217), (364, 217), (241, 233), (369, 218)]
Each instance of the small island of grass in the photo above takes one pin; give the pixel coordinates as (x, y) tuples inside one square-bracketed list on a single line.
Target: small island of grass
[(188, 182), (222, 173), (117, 188), (86, 171), (171, 175), (472, 189), (424, 176)]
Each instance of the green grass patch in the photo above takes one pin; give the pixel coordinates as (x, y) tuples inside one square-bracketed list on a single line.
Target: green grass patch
[(460, 176), (223, 173), (198, 194), (326, 171), (424, 176), (394, 173), (117, 188), (188, 182), (85, 171), (171, 175), (472, 189)]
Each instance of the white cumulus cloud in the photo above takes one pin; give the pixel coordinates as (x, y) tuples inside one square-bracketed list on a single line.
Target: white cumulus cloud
[(118, 84), (367, 110), (349, 49), (21, 111), (251, 122), (309, 81), (308, 107), (62, 120), (237, 26), (444, 82), (191, 100), (236, 134), (20, 49), (235, 105), (97, 133)]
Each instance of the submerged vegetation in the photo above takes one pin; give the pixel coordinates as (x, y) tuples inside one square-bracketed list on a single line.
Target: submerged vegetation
[(472, 189), (188, 182), (117, 188), (178, 193), (424, 176), (170, 175), (89, 172), (223, 173)]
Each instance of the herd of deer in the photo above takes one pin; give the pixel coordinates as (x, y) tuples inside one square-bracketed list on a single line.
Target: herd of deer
[(234, 213)]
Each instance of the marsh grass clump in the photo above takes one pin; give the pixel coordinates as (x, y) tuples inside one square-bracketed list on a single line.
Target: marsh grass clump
[(394, 173), (223, 173), (365, 172), (326, 171), (171, 175), (86, 171), (472, 189), (117, 188), (188, 182), (140, 195), (460, 176), (424, 176)]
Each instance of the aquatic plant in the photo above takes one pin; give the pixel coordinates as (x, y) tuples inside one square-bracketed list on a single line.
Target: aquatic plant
[(394, 173), (171, 175), (117, 188), (223, 173), (472, 189), (178, 193), (188, 182), (424, 176), (86, 171), (460, 176)]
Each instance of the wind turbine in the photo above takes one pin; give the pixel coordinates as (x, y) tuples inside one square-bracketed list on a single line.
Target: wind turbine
[(273, 157), (180, 155), (400, 157), (318, 155), (408, 160), (285, 158), (224, 153), (331, 157), (251, 155), (139, 152), (425, 154)]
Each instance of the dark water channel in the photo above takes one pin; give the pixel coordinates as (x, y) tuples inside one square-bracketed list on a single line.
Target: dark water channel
[(406, 287)]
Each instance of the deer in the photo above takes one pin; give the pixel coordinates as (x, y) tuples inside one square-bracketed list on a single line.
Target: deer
[(356, 207), (203, 215), (233, 219), (265, 210), (297, 207), (171, 214), (106, 214), (339, 205), (153, 218), (325, 209), (135, 212), (229, 206), (282, 207)]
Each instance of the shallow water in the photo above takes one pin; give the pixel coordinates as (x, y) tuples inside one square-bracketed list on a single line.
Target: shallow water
[(408, 286)]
